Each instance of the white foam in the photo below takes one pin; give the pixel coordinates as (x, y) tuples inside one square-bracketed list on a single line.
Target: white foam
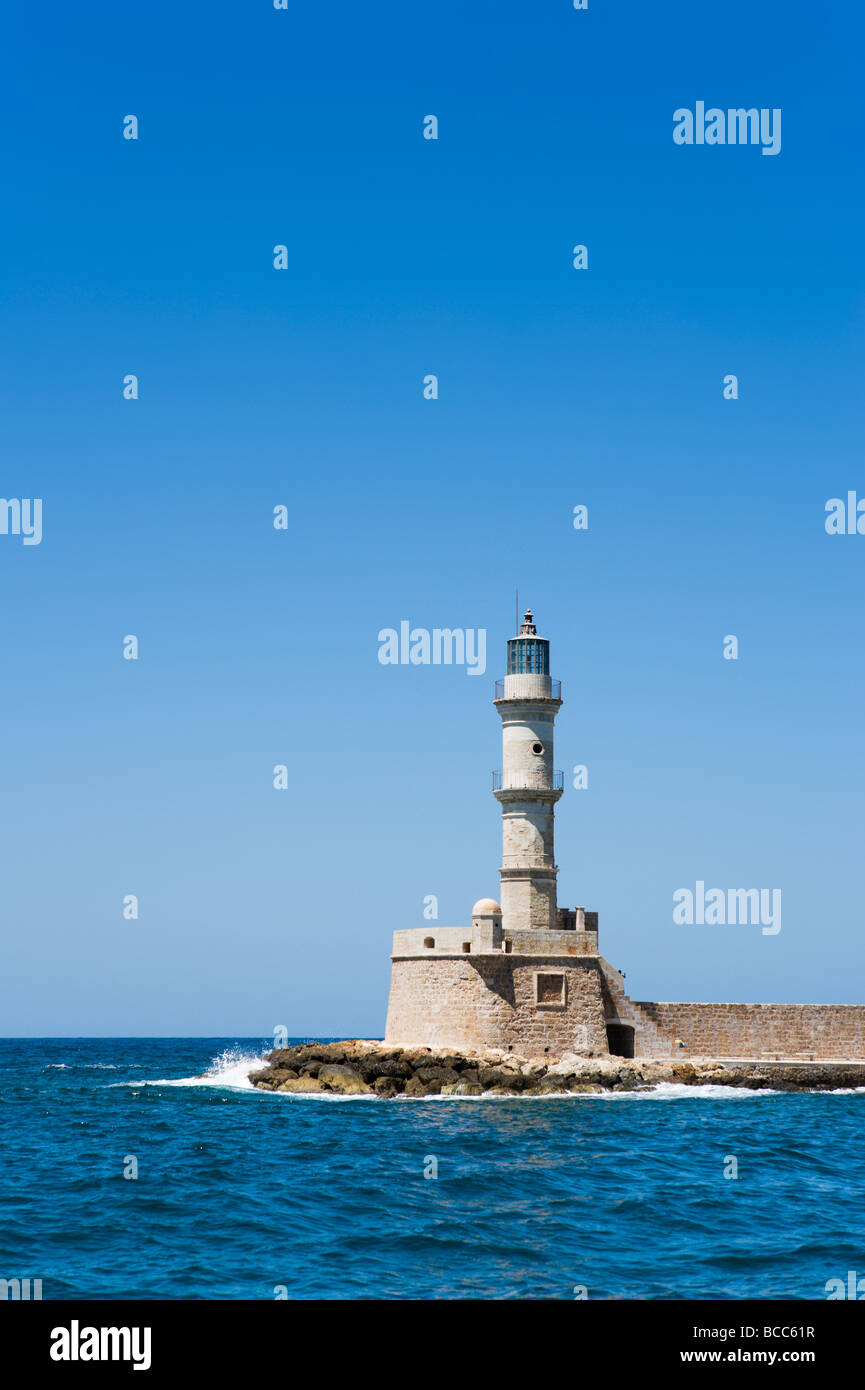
[(84, 1066), (229, 1071), (675, 1090), (663, 1090)]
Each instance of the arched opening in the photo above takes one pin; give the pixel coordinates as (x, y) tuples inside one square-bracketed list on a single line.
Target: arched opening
[(429, 942), (620, 1040)]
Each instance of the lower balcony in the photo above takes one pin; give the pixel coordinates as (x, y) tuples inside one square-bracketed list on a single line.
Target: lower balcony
[(540, 781)]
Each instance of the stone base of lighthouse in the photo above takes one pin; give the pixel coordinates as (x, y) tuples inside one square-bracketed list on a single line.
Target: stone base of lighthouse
[(535, 993)]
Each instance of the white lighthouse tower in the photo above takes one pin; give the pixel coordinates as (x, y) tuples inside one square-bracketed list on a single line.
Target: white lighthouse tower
[(528, 786)]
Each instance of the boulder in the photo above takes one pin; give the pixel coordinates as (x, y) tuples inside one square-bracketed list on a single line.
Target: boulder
[(418, 1057), (302, 1085), (375, 1066), (394, 1067), (342, 1078), (388, 1086), (492, 1077), (549, 1086), (444, 1075), (415, 1087), (303, 1053)]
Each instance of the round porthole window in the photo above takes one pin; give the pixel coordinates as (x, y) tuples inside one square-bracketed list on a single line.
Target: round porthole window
[(537, 748)]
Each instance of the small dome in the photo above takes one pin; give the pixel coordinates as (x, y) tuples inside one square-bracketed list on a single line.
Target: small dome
[(484, 907)]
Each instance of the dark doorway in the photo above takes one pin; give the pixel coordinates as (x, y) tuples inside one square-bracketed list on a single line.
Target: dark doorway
[(620, 1039)]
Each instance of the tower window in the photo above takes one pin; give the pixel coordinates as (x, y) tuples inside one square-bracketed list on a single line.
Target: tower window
[(550, 990), (537, 748), (429, 942)]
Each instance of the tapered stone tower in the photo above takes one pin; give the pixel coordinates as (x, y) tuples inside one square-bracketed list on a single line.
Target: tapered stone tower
[(526, 973), (527, 786)]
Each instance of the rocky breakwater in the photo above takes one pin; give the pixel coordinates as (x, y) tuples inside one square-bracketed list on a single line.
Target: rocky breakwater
[(372, 1069)]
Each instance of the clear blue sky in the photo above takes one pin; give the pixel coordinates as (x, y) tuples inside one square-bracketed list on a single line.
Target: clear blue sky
[(304, 387)]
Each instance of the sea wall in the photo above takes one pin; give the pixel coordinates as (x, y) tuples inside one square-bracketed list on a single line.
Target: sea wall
[(761, 1030), (549, 1003)]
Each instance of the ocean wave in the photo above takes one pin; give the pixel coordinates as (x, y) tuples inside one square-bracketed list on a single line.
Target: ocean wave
[(81, 1066), (228, 1070), (664, 1090)]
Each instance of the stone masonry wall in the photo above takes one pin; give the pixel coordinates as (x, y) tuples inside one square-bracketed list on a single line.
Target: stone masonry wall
[(490, 1001), (479, 1001), (816, 1031)]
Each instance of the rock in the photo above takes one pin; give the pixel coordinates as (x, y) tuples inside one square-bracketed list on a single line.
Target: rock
[(302, 1085), (569, 1062), (303, 1053), (388, 1086), (394, 1067), (343, 1079), (418, 1057), (282, 1057), (492, 1077), (548, 1086), (361, 1068), (414, 1087), (444, 1075), (720, 1076)]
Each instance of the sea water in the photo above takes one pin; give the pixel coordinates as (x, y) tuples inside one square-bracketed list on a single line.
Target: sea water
[(150, 1168)]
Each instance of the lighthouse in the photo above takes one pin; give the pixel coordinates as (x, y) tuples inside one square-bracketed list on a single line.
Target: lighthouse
[(527, 786), (524, 973)]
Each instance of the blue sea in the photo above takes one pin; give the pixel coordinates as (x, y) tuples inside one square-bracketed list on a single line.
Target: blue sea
[(241, 1194)]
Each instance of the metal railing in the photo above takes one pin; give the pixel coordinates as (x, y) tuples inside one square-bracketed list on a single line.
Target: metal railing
[(528, 781), (555, 688)]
